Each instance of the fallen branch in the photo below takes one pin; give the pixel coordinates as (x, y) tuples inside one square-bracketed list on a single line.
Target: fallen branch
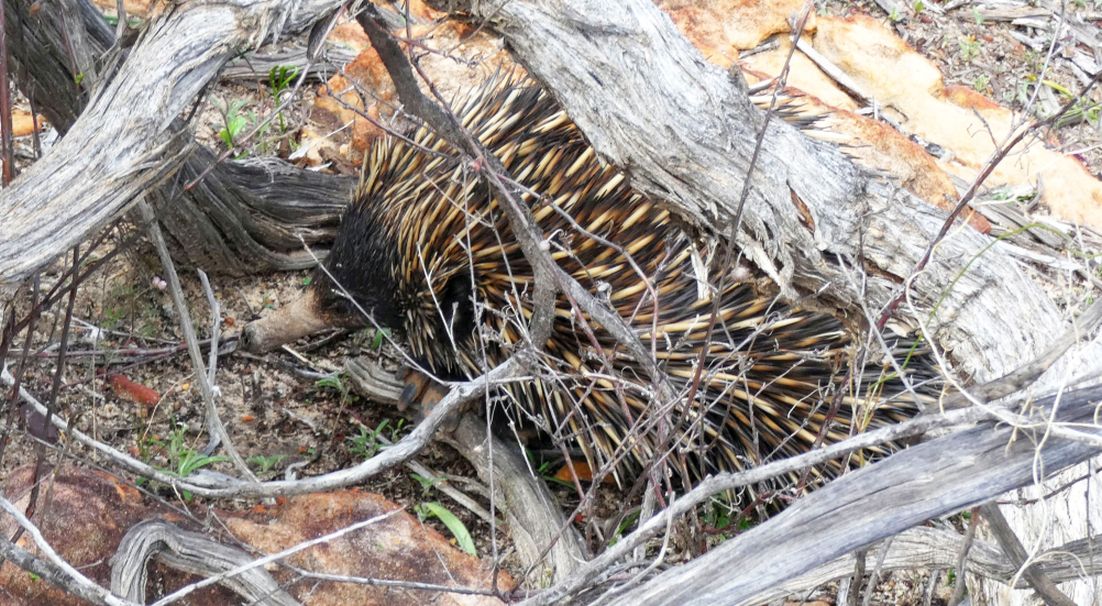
[(543, 541), (111, 154), (874, 503), (192, 553)]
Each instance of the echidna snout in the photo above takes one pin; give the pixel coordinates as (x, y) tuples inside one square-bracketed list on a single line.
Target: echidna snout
[(343, 294), (302, 317)]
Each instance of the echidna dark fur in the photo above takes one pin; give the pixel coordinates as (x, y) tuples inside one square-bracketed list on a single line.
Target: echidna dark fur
[(425, 249)]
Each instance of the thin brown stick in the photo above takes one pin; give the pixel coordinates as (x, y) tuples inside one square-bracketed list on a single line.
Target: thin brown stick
[(962, 560), (216, 430), (51, 402), (1013, 549), (21, 367), (7, 148)]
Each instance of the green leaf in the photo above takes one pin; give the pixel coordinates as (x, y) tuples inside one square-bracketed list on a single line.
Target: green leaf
[(458, 530), (426, 482), (332, 381), (265, 462), (380, 335), (191, 461)]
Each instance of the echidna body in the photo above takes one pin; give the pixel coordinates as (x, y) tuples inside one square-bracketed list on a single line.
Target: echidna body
[(424, 249)]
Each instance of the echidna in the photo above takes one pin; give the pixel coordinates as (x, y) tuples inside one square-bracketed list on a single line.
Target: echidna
[(425, 250)]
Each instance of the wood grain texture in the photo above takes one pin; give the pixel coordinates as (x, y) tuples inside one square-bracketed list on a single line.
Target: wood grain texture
[(933, 549), (126, 141), (245, 216)]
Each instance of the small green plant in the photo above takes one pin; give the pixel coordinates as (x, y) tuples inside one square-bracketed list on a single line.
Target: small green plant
[(919, 6), (427, 483), (622, 528), (381, 335), (234, 122), (895, 16), (147, 446), (969, 47), (265, 463), (1081, 111), (396, 431), (1060, 88), (373, 338), (280, 79), (131, 22), (366, 444), (183, 460), (434, 509), (981, 83), (333, 382), (307, 281), (977, 16), (191, 461), (718, 515)]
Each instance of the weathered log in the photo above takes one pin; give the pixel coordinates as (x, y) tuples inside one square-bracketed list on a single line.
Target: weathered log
[(932, 549), (242, 217), (193, 553), (928, 480), (543, 540)]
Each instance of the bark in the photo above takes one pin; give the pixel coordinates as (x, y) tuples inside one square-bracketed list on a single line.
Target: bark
[(242, 217), (192, 553), (931, 549)]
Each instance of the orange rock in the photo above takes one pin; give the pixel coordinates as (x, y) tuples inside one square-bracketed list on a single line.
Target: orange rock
[(962, 121), (134, 8), (83, 516), (399, 547), (88, 513), (720, 28)]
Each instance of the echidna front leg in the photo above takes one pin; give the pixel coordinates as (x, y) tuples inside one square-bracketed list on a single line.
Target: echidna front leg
[(420, 392)]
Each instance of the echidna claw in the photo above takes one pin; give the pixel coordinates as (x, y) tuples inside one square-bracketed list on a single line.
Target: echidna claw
[(420, 392)]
